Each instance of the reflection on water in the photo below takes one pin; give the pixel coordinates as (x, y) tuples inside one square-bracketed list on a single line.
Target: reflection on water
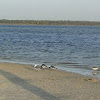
[(95, 72)]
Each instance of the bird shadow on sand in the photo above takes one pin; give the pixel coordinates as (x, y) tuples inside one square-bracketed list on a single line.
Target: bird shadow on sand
[(27, 86)]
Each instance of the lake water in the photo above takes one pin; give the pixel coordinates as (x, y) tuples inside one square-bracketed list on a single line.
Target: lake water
[(71, 48)]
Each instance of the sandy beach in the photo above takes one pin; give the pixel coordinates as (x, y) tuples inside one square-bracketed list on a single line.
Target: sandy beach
[(23, 82)]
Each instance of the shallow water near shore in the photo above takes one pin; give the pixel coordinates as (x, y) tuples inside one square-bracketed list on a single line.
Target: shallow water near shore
[(71, 48)]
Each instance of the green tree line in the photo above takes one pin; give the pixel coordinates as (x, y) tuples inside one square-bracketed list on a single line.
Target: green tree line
[(48, 22)]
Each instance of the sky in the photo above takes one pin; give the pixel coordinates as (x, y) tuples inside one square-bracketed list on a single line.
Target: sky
[(76, 10)]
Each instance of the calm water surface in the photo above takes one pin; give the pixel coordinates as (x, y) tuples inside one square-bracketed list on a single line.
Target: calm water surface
[(72, 48)]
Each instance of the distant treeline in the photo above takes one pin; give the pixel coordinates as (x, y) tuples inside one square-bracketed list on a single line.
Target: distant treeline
[(48, 22)]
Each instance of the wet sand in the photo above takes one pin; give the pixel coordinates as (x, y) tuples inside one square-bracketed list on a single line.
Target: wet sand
[(23, 82)]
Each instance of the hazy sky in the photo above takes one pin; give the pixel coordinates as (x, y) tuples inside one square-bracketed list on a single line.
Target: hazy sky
[(88, 10)]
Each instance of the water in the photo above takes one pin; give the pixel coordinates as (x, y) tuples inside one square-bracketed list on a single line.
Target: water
[(72, 48)]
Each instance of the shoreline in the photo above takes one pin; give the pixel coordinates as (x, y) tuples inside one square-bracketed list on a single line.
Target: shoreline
[(78, 70), (23, 82)]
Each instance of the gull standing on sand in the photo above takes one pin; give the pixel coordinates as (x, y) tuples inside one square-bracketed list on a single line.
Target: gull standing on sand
[(95, 68), (43, 66), (52, 67), (36, 67)]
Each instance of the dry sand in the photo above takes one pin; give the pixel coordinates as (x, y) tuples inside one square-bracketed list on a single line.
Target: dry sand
[(23, 82)]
